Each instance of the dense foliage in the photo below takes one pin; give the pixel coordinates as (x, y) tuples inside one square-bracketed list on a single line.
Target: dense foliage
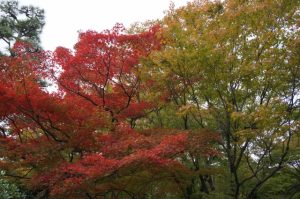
[(204, 105), (78, 142), (233, 67)]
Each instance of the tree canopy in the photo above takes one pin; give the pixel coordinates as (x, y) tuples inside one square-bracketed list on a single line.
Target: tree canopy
[(201, 104), (233, 67)]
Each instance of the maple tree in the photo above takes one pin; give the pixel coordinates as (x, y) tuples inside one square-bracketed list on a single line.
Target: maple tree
[(77, 142)]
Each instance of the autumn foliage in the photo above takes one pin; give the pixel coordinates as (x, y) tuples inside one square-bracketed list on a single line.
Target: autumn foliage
[(78, 141)]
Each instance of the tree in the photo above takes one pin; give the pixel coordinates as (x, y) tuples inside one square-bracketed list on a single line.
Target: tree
[(9, 191), (78, 142), (23, 23), (233, 67)]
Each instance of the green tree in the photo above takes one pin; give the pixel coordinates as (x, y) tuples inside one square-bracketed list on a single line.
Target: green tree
[(9, 190), (233, 67), (17, 22)]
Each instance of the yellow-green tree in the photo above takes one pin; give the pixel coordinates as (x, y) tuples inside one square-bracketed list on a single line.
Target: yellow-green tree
[(233, 67)]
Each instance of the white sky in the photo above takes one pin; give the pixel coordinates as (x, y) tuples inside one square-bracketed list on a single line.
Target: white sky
[(64, 18)]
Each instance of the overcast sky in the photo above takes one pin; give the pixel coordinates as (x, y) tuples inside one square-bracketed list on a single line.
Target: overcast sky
[(64, 18)]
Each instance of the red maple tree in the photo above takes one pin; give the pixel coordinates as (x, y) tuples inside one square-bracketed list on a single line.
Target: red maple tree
[(77, 142)]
